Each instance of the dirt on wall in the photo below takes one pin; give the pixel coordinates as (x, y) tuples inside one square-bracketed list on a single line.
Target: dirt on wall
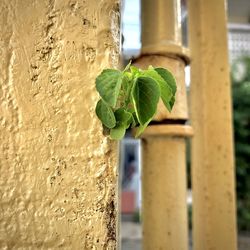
[(58, 173)]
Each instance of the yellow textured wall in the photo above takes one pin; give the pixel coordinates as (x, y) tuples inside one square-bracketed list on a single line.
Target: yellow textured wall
[(57, 170)]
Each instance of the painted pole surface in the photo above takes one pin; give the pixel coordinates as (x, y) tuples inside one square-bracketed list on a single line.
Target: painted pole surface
[(58, 173), (163, 172), (213, 175), (164, 203)]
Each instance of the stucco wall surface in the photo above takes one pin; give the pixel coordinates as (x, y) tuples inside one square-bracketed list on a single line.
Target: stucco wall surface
[(57, 170)]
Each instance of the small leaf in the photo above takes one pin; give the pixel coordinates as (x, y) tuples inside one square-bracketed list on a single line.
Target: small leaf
[(126, 87), (168, 77), (105, 114), (127, 75), (145, 96), (118, 132), (134, 70), (122, 116), (171, 102), (166, 91), (122, 123), (108, 84)]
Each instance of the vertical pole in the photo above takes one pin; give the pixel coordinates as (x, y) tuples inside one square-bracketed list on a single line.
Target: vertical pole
[(214, 222), (163, 171), (164, 188)]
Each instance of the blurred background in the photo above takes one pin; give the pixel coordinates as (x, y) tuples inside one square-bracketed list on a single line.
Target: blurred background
[(130, 150)]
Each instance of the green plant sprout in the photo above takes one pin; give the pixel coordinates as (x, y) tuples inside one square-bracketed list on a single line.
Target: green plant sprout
[(129, 98)]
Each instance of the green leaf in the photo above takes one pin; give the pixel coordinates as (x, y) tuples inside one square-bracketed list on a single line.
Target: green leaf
[(134, 70), (118, 132), (166, 91), (105, 114), (127, 75), (108, 84), (123, 117), (171, 102), (145, 96), (168, 77), (126, 85)]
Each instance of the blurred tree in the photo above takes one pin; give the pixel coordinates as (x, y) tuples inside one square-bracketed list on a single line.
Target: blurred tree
[(241, 109)]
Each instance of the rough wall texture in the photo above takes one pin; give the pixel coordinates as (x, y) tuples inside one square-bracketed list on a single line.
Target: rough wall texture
[(57, 170)]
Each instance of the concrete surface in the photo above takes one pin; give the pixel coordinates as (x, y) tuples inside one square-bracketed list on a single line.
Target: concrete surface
[(58, 175), (131, 234)]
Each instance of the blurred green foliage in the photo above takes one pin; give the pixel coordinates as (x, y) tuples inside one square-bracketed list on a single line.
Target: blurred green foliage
[(137, 216), (241, 113)]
